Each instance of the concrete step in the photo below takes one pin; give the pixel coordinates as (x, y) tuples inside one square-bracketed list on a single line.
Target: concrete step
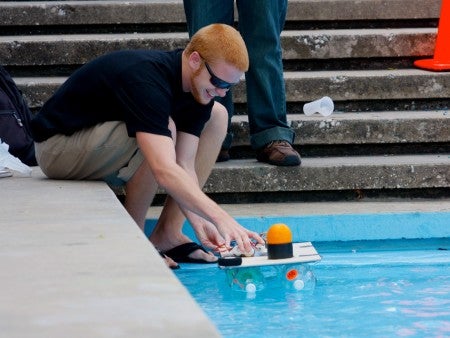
[(76, 49), (360, 53), (57, 13), (350, 85), (333, 173), (367, 128), (360, 43), (365, 85)]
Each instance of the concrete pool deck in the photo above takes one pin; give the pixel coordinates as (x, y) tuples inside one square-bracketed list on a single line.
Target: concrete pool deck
[(73, 263)]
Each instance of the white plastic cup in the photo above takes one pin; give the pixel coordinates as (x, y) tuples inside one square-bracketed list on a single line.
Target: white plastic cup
[(323, 106)]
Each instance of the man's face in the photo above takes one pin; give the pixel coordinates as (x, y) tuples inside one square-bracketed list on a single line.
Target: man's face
[(211, 80)]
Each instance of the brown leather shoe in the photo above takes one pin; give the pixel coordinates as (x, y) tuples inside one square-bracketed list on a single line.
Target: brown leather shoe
[(278, 153)]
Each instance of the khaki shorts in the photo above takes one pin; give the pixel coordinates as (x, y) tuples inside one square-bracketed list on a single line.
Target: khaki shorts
[(103, 152)]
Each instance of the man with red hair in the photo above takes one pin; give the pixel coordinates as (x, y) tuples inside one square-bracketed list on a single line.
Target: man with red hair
[(141, 119)]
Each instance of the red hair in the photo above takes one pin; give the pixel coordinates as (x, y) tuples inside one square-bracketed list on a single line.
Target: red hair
[(220, 42)]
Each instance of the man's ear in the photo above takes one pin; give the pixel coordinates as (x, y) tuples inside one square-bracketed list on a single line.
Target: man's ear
[(195, 60)]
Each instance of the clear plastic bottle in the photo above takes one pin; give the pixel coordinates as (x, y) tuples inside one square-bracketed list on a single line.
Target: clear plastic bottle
[(248, 280), (298, 277)]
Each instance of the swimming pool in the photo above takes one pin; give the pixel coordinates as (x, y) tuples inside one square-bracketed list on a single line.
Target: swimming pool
[(370, 289), (381, 275)]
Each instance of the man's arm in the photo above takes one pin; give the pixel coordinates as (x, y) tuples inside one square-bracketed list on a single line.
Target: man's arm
[(160, 154), (186, 153)]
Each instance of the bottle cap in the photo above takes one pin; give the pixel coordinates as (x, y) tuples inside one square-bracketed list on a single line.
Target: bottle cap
[(250, 287), (299, 284)]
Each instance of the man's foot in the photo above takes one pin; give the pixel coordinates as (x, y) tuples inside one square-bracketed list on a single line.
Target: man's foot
[(223, 156), (169, 261), (182, 246), (278, 153)]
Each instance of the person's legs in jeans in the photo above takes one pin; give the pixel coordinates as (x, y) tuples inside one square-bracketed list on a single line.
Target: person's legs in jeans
[(261, 27), (200, 13)]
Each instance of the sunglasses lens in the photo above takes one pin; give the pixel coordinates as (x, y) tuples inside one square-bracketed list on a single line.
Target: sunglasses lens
[(216, 82)]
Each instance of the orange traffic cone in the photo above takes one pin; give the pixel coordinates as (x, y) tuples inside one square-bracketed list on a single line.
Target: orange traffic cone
[(441, 59)]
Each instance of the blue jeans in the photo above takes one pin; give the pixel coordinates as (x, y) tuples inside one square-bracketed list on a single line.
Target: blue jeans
[(260, 24)]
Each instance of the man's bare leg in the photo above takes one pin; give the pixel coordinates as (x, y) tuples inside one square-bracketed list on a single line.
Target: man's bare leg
[(140, 191), (168, 230)]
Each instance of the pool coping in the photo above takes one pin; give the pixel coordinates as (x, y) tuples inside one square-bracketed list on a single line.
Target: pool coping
[(343, 221), (74, 263)]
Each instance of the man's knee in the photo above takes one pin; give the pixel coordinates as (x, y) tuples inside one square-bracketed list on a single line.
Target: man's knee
[(219, 118)]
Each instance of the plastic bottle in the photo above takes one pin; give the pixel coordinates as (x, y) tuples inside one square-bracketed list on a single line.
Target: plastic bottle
[(298, 277), (248, 280)]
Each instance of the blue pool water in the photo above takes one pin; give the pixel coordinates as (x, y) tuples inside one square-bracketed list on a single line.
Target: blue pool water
[(381, 275), (363, 289)]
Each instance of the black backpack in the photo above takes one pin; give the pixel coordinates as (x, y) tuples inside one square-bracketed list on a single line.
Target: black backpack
[(15, 116)]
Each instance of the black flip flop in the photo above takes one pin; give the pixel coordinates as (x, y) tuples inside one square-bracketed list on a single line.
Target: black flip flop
[(180, 253)]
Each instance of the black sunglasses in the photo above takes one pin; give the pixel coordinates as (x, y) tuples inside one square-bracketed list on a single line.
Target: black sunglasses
[(217, 81)]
